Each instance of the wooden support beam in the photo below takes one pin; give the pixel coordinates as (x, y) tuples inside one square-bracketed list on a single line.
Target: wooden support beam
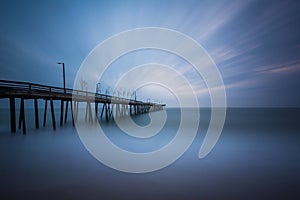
[(96, 109), (106, 112), (123, 110), (76, 110), (88, 112), (22, 117), (103, 107), (61, 112), (36, 113), (112, 110), (53, 115), (72, 112), (45, 112), (66, 111), (130, 109), (117, 110), (12, 106)]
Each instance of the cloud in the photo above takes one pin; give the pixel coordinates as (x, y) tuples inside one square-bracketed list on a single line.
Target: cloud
[(231, 52), (289, 67), (220, 16)]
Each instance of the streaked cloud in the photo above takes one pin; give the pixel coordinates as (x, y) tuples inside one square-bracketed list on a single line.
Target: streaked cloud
[(254, 43), (289, 67)]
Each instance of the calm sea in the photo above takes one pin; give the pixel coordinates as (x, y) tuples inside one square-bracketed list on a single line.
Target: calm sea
[(256, 157)]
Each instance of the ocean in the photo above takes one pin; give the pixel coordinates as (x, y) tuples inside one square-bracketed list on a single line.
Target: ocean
[(257, 157)]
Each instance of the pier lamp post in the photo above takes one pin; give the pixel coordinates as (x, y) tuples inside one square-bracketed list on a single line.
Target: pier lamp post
[(64, 75), (98, 88), (62, 100)]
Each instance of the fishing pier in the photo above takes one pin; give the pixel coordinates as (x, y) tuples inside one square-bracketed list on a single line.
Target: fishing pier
[(104, 105)]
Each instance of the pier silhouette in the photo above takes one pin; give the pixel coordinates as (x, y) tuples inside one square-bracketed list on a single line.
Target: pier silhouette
[(13, 90)]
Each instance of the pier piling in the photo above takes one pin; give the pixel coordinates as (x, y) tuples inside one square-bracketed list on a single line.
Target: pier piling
[(36, 113), (61, 112), (45, 112), (53, 114), (22, 123), (12, 114)]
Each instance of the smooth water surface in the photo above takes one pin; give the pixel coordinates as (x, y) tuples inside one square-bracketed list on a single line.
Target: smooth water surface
[(256, 157)]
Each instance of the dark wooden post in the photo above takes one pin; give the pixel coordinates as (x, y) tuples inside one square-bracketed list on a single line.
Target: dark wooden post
[(22, 117), (86, 111), (117, 110), (112, 111), (52, 113), (103, 107), (12, 114), (36, 113), (130, 110), (106, 112), (66, 112), (45, 112), (76, 104), (96, 109), (61, 112), (72, 112)]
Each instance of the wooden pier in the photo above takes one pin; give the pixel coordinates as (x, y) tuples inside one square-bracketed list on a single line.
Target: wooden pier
[(30, 91)]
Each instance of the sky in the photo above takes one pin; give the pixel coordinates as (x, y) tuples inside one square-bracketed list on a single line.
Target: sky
[(255, 44)]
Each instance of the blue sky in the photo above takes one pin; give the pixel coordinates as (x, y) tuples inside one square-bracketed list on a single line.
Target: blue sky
[(255, 44)]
